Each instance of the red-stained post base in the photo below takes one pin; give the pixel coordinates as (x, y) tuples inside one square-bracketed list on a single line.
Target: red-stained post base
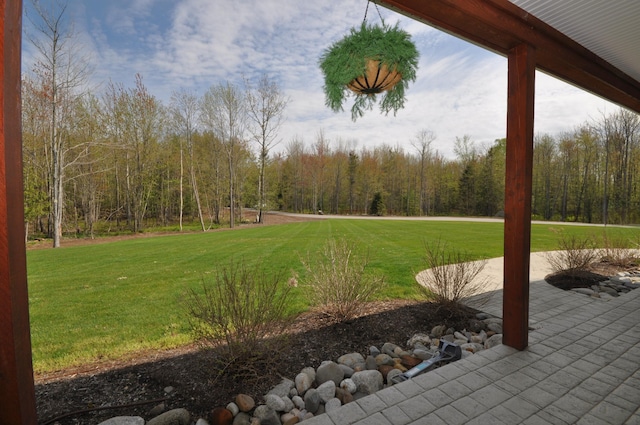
[(17, 399), (517, 226)]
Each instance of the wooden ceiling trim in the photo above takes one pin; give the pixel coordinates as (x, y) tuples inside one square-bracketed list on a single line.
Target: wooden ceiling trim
[(499, 25)]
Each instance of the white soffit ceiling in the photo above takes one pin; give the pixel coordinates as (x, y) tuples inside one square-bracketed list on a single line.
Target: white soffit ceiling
[(609, 28)]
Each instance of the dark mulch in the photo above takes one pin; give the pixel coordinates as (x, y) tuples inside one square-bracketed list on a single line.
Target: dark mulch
[(575, 279), (192, 371)]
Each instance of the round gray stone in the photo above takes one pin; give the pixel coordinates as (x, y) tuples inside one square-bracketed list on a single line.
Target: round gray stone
[(172, 417), (368, 381), (329, 371)]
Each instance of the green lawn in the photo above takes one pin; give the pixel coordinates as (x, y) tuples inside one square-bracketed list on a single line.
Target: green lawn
[(107, 300)]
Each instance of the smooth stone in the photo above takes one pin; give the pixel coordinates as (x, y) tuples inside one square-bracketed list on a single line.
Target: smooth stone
[(349, 371), (274, 402), (374, 351), (124, 420), (289, 419), (493, 341), (422, 354), (461, 336), (157, 409), (343, 395), (311, 372), (495, 327), (349, 385), (288, 404), (329, 371), (384, 359), (384, 370), (233, 408), (398, 365), (327, 391), (609, 291), (312, 400), (202, 421), (472, 347), (448, 338), (584, 291), (298, 402), (370, 363), (245, 402), (392, 374), (368, 381), (351, 359), (221, 416), (303, 382), (332, 405), (438, 331), (172, 417), (482, 316), (242, 418), (410, 361), (266, 415), (283, 388), (419, 338), (389, 348)]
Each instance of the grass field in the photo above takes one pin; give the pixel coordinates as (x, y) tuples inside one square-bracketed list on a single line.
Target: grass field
[(103, 301)]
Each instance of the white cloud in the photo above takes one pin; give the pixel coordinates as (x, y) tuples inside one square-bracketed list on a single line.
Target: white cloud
[(460, 89)]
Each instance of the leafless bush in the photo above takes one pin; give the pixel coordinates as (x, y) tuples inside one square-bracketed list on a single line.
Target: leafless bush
[(242, 313), (619, 251), (451, 276), (575, 254), (337, 281)]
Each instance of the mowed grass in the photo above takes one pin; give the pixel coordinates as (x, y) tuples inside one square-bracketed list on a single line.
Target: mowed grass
[(110, 300)]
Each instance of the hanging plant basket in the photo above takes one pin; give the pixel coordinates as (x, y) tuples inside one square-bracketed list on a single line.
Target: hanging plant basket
[(369, 61)]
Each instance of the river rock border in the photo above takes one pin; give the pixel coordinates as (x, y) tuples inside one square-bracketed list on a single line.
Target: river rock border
[(314, 391), (613, 287)]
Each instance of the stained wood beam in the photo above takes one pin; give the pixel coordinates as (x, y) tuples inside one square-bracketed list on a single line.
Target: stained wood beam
[(17, 399), (500, 26), (517, 200)]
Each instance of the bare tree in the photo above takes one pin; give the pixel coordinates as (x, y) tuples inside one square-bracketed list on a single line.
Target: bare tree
[(63, 71), (265, 108), (184, 110), (423, 141), (223, 111)]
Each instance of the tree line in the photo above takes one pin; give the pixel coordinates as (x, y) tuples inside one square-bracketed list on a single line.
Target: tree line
[(122, 160)]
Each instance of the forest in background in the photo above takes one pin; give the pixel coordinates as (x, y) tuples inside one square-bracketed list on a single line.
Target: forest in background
[(120, 160)]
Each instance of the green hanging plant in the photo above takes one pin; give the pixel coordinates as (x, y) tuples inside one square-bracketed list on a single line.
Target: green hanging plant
[(371, 60)]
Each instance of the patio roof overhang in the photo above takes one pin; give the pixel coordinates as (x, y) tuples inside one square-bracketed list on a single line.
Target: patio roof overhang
[(498, 25), (529, 44)]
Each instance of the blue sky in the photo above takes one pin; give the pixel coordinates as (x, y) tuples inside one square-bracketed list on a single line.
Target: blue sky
[(460, 89)]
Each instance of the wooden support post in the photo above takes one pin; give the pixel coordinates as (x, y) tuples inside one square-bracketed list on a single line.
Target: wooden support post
[(17, 399), (517, 225)]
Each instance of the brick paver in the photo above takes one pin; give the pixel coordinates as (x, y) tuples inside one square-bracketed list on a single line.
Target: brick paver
[(582, 366)]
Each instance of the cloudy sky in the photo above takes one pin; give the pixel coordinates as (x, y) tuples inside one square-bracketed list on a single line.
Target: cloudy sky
[(460, 89)]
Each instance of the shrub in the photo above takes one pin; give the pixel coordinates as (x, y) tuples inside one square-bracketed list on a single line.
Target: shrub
[(619, 252), (451, 276), (337, 281), (576, 254), (243, 313)]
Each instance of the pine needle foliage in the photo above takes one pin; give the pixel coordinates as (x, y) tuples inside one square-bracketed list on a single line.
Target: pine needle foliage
[(346, 60)]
